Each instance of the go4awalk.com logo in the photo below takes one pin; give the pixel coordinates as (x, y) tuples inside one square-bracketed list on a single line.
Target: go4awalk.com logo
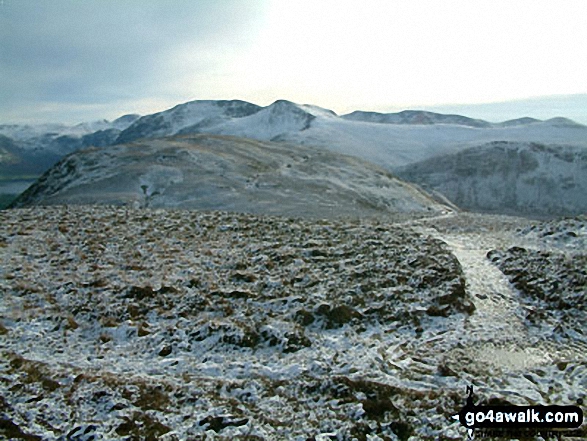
[(517, 418)]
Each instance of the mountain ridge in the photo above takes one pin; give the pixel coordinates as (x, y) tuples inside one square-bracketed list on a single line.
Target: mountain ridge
[(391, 141), (415, 117)]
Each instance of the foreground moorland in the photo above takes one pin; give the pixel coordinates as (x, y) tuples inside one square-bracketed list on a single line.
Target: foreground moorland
[(119, 323)]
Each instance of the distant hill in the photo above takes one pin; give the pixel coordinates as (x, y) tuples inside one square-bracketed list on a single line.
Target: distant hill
[(415, 117), (32, 149), (506, 177), (226, 173)]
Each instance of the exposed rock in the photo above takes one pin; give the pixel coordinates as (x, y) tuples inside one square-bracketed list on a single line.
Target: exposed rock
[(218, 423), (165, 351)]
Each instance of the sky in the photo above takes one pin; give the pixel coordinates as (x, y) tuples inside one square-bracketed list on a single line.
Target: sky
[(80, 60)]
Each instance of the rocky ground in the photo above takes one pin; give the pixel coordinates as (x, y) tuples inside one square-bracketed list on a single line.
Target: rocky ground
[(120, 323)]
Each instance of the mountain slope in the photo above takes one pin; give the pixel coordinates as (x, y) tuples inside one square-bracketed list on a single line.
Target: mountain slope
[(275, 122), (38, 147), (390, 140), (191, 114), (390, 145), (506, 177), (415, 117), (227, 173)]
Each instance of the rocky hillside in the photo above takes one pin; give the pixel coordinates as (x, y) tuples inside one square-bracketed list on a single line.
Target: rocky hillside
[(226, 173), (504, 177), (118, 323)]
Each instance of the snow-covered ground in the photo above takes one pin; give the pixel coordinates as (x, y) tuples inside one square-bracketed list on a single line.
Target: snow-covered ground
[(553, 187), (28, 132), (168, 324)]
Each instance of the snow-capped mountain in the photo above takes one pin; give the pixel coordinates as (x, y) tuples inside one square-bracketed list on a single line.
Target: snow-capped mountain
[(226, 173), (194, 114), (390, 140), (276, 122), (31, 132), (518, 122), (61, 139), (26, 151), (508, 177)]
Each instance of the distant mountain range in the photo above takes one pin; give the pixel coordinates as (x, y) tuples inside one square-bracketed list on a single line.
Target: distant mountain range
[(397, 142)]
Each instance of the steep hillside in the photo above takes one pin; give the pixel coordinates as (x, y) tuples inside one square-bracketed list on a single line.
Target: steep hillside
[(227, 173), (505, 177)]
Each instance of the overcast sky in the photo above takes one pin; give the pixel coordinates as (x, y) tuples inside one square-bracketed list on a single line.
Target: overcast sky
[(75, 60)]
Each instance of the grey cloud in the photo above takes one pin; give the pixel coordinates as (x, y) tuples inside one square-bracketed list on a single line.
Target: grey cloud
[(93, 50)]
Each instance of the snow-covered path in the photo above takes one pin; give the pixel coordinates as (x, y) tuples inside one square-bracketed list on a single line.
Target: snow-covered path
[(524, 362), (493, 294), (495, 330)]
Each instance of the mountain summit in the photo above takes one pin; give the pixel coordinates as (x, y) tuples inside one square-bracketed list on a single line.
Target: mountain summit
[(390, 140), (184, 116)]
